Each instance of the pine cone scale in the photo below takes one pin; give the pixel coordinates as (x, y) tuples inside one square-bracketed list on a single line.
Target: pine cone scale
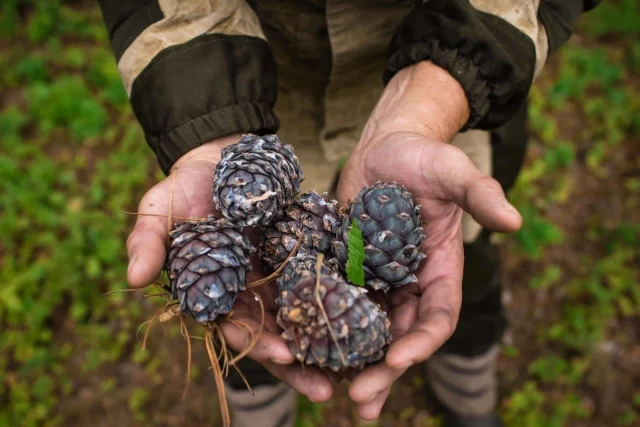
[(255, 179), (207, 264), (391, 228), (357, 323), (312, 218)]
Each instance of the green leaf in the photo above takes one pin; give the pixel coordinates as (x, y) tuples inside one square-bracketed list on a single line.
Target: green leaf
[(355, 270)]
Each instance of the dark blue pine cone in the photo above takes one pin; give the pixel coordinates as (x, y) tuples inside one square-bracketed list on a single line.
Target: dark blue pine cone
[(207, 264), (255, 180), (312, 217), (392, 231), (359, 326), (302, 264)]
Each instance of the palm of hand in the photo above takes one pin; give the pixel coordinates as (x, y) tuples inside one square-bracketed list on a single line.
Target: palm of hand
[(422, 315), (187, 194)]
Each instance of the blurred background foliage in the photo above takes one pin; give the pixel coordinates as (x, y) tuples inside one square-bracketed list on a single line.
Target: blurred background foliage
[(72, 157)]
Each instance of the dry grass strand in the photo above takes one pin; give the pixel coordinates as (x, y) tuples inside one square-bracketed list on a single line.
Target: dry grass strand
[(217, 374), (254, 340), (185, 334), (276, 273), (319, 261)]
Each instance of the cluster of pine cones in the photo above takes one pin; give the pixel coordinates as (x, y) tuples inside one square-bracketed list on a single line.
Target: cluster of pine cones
[(328, 321)]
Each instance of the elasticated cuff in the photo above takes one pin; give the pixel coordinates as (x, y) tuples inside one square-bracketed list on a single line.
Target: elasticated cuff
[(491, 59), (213, 86)]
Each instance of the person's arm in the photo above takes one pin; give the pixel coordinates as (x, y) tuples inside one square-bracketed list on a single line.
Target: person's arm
[(199, 74), (494, 49), (453, 64), (195, 71)]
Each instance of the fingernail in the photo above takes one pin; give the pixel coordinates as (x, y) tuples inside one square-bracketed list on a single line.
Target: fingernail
[(314, 400), (508, 206), (132, 261)]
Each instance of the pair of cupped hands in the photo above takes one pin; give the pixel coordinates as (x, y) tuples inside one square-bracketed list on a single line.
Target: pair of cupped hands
[(405, 140)]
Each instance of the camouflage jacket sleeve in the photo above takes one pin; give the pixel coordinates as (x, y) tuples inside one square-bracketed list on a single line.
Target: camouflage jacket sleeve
[(493, 48), (195, 70)]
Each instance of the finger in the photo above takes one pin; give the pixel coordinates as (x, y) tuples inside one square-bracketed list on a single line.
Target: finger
[(475, 192), (370, 411), (351, 180), (437, 309), (270, 346), (368, 385), (309, 381), (248, 307), (431, 330), (146, 245)]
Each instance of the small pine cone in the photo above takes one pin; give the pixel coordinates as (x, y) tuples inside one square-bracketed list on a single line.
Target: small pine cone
[(256, 178), (359, 326), (391, 228), (312, 217), (207, 265), (302, 264)]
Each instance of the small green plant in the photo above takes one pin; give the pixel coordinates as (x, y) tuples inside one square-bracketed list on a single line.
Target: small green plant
[(620, 17), (536, 233), (137, 400), (354, 267), (31, 69), (44, 21), (67, 102)]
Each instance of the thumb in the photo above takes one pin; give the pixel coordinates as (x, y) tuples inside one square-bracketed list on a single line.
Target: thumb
[(477, 193), (146, 245)]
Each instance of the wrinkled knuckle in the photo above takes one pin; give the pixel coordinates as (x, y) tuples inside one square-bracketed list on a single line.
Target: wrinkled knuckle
[(454, 154), (480, 183), (491, 184), (448, 319)]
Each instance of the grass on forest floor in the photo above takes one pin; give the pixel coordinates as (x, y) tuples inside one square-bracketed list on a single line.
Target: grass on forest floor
[(72, 157)]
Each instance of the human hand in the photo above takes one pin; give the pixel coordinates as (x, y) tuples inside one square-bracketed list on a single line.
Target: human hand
[(405, 141), (188, 194)]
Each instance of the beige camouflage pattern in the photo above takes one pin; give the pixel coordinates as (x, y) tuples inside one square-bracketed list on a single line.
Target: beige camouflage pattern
[(524, 16), (330, 56), (325, 124), (184, 20)]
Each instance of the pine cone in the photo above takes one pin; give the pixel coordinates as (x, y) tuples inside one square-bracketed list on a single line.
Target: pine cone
[(256, 178), (359, 326), (299, 265), (207, 265), (312, 217), (391, 228)]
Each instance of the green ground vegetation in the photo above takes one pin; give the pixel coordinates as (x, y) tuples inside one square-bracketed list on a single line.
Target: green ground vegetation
[(72, 157)]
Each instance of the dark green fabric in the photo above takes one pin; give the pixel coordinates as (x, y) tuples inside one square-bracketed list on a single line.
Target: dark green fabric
[(125, 20), (493, 60), (212, 86), (559, 17)]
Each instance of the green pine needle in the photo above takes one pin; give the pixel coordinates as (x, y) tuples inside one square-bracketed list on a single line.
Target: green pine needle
[(355, 270)]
